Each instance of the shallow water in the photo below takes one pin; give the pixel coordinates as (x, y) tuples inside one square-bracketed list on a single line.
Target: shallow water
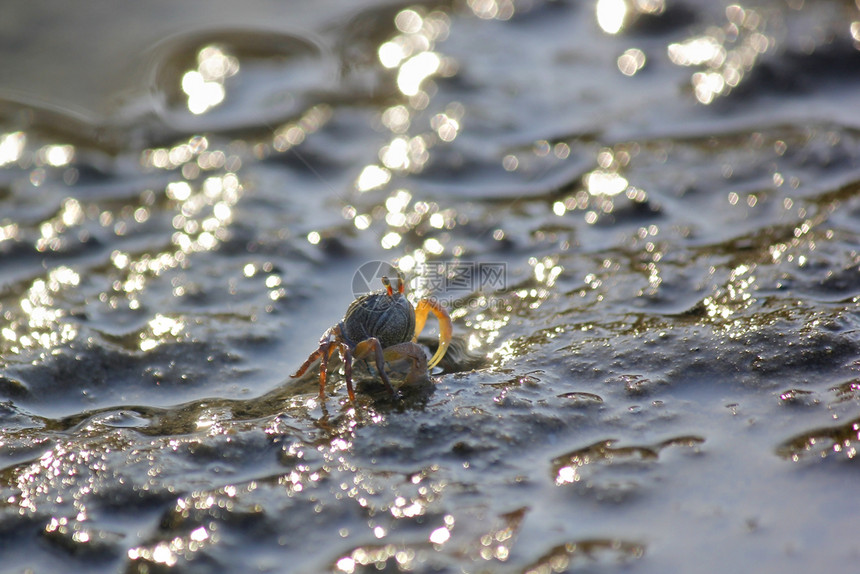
[(663, 379)]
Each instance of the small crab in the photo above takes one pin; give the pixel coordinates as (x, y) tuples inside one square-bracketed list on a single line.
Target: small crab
[(383, 326)]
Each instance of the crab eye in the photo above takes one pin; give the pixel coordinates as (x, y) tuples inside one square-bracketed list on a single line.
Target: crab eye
[(401, 282), (387, 284)]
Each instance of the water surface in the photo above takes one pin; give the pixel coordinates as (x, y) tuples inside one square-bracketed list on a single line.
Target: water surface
[(664, 379)]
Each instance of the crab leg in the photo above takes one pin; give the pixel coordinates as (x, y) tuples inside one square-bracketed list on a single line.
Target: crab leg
[(369, 346), (346, 357), (313, 357), (416, 356), (445, 327), (326, 355)]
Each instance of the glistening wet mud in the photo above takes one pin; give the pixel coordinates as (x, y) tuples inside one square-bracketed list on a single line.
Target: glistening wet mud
[(658, 371)]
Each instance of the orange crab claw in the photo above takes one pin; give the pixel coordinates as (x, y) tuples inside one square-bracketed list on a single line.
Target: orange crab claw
[(446, 329)]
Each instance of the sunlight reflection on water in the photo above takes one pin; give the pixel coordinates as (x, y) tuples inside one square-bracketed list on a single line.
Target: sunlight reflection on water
[(679, 298)]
